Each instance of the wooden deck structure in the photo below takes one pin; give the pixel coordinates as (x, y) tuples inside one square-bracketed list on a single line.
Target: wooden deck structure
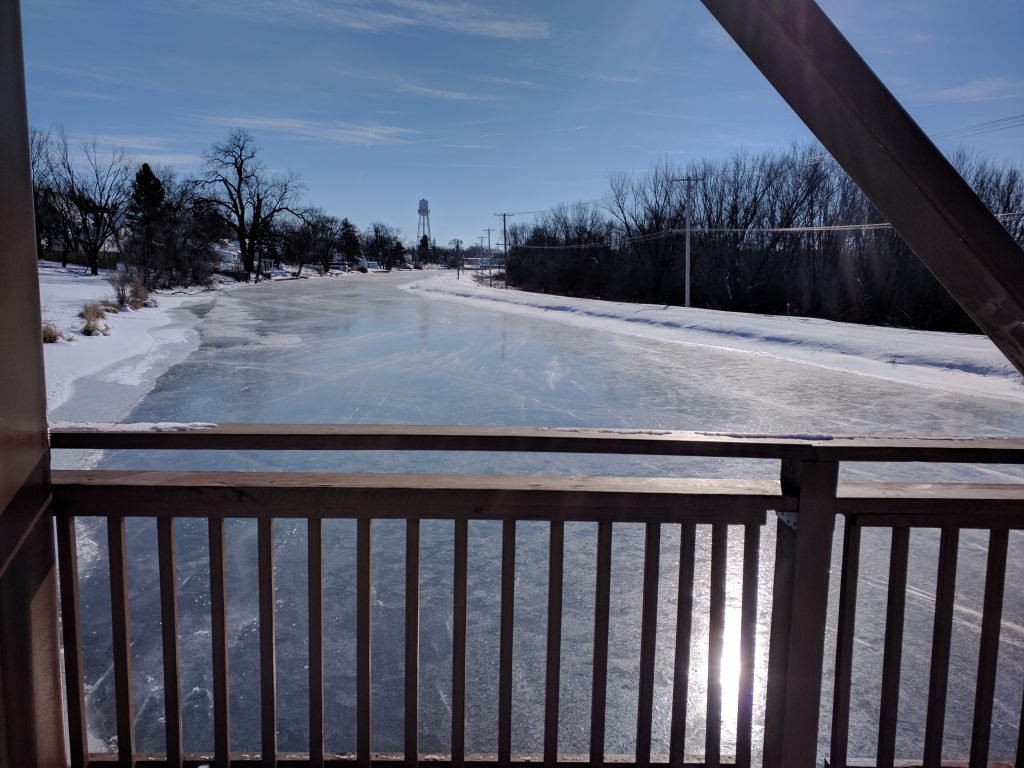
[(813, 67)]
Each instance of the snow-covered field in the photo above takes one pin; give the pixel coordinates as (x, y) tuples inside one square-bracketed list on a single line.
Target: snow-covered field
[(958, 362)]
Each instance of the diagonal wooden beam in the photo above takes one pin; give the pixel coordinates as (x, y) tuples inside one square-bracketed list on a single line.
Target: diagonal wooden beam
[(830, 87)]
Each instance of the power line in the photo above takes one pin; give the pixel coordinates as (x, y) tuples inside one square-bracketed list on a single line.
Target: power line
[(989, 126), (665, 233)]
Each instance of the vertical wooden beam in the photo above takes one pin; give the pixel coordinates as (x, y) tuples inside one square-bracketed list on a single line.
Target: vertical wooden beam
[(554, 643), (31, 711), (461, 568), (716, 645), (844, 643), (508, 594), (893, 647), (748, 645), (412, 642), (169, 632), (830, 87), (363, 641), (71, 623), (942, 631), (120, 624), (648, 644), (219, 642), (799, 607), (684, 630), (602, 605), (991, 619), (268, 660), (315, 560)]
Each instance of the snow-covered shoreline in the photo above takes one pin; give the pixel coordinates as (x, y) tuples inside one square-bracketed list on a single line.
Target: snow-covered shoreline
[(952, 361), (141, 345)]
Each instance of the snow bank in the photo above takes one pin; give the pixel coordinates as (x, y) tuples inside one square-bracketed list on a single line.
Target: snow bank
[(142, 344), (953, 361)]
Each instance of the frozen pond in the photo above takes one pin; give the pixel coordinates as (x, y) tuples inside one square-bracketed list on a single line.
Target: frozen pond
[(360, 349)]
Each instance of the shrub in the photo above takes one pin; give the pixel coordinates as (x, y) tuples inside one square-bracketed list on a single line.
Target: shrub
[(93, 314), (122, 283), (110, 306), (139, 294), (51, 334)]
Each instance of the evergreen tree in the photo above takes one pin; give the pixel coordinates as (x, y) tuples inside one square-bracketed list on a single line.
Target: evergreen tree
[(145, 214), (351, 248), (423, 250)]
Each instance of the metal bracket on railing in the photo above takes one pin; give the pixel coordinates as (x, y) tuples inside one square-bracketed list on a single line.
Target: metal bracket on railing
[(788, 519)]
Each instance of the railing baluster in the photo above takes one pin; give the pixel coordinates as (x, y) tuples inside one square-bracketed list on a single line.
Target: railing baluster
[(716, 637), (991, 619), (684, 630), (363, 636), (120, 624), (219, 633), (844, 643), (268, 662), (459, 644), (169, 628), (315, 565), (602, 600), (893, 645), (554, 645), (748, 631), (71, 624), (648, 644), (942, 630), (412, 641), (508, 587)]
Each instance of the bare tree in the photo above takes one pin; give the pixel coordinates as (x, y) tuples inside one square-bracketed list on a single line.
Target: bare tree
[(90, 196), (246, 196)]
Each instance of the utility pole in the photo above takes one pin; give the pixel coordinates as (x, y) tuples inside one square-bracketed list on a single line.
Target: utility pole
[(488, 230), (689, 197), (504, 238), (458, 258)]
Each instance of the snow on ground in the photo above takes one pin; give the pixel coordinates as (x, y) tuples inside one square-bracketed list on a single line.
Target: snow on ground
[(953, 361), (141, 345), (109, 375)]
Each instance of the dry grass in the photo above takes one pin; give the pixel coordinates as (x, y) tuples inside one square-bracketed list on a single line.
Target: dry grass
[(51, 334), (94, 314)]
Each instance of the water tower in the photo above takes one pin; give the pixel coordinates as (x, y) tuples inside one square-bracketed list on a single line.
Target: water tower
[(423, 228)]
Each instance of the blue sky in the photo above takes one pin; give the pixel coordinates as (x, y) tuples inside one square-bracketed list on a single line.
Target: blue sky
[(480, 107)]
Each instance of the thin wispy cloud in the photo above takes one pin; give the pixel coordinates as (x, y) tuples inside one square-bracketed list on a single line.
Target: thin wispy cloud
[(336, 132), (78, 94), (983, 89), (460, 17), (509, 81), (441, 93), (615, 79), (135, 142)]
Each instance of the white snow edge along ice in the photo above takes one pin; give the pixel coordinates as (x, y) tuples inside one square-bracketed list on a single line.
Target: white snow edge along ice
[(957, 362)]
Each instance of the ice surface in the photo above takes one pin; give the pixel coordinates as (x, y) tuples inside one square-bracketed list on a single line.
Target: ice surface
[(362, 351)]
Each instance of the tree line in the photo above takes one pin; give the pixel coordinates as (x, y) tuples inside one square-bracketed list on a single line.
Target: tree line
[(773, 232), (162, 226)]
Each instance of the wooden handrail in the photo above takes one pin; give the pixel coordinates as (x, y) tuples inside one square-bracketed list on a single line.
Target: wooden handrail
[(640, 442)]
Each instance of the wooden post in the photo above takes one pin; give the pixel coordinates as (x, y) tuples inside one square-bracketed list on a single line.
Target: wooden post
[(803, 557), (31, 712)]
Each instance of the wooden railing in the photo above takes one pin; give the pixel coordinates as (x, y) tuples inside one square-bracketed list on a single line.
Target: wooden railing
[(806, 498)]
